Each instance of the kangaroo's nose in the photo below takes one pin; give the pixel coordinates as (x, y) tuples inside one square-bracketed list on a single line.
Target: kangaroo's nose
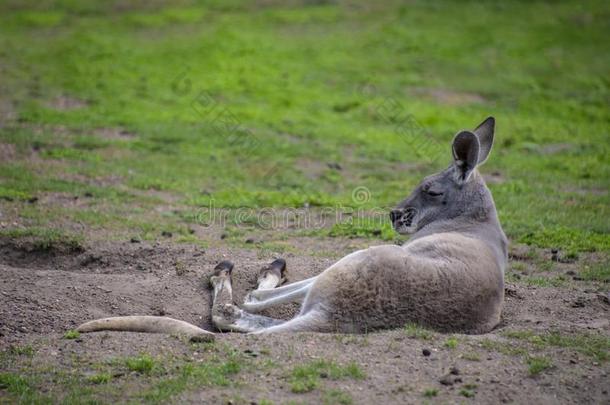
[(395, 215)]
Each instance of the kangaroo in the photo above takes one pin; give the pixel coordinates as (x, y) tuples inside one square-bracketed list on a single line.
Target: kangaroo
[(449, 276)]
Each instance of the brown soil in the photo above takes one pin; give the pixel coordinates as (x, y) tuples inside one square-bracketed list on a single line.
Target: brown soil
[(64, 103), (45, 293), (447, 96), (7, 152), (114, 133)]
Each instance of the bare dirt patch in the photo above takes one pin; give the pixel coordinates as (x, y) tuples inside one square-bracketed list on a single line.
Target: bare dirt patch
[(7, 152), (114, 133), (7, 111), (65, 103), (555, 148), (447, 96), (43, 293), (494, 178)]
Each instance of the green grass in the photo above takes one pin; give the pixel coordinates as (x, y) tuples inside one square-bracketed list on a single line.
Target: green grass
[(536, 365), (418, 332), (143, 364), (10, 194), (333, 396), (471, 356), (101, 378), (46, 239), (596, 346), (466, 393), (451, 343), (505, 348), (14, 384), (159, 379), (71, 334), (545, 281), (305, 378), (185, 100), (26, 350), (430, 392), (596, 272)]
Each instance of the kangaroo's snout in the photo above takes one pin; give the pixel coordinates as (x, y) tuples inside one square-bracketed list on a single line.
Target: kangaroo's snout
[(395, 215), (402, 218)]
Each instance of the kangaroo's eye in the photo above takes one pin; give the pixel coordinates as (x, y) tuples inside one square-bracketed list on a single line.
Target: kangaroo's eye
[(431, 190)]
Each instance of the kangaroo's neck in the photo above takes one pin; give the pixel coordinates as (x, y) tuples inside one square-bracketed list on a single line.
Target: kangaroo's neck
[(487, 230)]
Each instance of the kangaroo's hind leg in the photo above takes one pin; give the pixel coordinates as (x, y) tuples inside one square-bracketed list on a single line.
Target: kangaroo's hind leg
[(225, 315)]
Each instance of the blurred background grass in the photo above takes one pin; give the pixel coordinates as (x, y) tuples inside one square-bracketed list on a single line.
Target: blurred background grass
[(128, 105)]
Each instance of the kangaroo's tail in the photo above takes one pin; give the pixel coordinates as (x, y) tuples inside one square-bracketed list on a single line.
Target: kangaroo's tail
[(148, 324)]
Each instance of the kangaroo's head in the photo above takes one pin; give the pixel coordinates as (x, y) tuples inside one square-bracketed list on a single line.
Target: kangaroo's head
[(457, 195)]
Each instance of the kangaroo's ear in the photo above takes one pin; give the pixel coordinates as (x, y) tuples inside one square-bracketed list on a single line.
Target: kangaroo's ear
[(485, 133), (465, 154)]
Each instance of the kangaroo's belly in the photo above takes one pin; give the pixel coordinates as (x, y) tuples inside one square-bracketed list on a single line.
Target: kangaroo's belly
[(448, 283)]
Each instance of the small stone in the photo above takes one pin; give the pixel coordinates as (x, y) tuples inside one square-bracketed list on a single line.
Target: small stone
[(605, 298), (579, 303), (446, 380), (426, 352)]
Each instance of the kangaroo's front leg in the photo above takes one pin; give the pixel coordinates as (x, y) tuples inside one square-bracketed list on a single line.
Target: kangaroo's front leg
[(262, 294)]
